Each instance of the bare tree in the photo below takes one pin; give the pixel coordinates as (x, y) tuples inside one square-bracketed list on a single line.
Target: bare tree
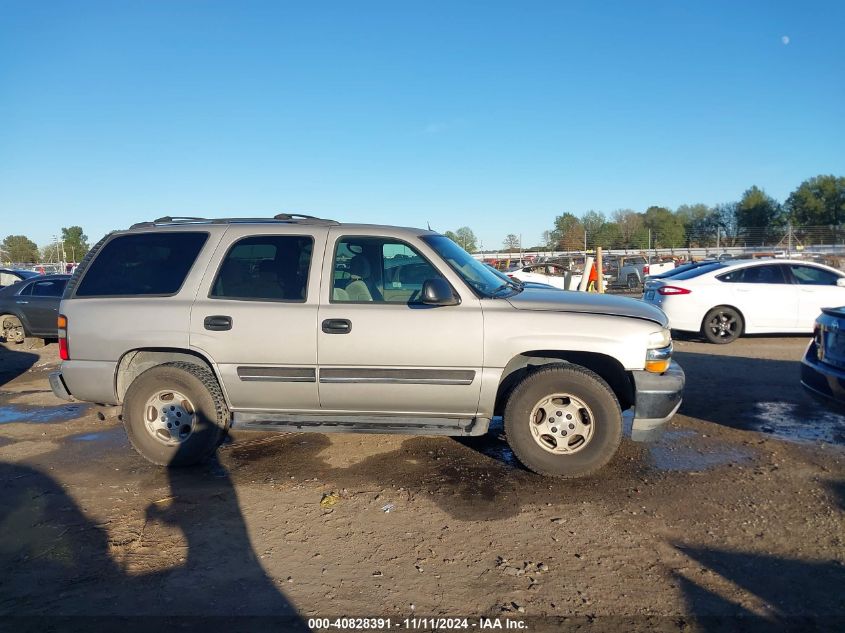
[(511, 242)]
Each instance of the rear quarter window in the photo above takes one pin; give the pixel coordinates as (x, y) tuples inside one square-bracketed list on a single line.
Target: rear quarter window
[(143, 264)]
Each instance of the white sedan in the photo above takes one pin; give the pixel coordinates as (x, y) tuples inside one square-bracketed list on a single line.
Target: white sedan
[(551, 274), (723, 300)]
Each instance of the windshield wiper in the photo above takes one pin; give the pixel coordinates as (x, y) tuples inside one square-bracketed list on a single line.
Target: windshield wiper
[(515, 286)]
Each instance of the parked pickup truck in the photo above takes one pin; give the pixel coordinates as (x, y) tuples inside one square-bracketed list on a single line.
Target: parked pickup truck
[(297, 324), (634, 269)]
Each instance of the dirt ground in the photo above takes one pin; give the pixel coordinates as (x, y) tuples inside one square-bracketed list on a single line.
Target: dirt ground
[(733, 519)]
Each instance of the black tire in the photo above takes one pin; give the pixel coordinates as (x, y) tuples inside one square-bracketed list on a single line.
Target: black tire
[(581, 383), (633, 281), (722, 325), (211, 419)]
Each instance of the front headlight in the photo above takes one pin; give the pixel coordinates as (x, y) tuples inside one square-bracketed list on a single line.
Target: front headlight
[(659, 354), (661, 338)]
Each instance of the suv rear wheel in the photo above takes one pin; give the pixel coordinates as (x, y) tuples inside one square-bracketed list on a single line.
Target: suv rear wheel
[(563, 421), (175, 414)]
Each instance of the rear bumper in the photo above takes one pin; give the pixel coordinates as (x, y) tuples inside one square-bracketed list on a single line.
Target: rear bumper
[(658, 398), (57, 384), (90, 380), (821, 379)]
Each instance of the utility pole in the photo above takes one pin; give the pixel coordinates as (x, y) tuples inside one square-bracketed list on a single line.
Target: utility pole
[(789, 239)]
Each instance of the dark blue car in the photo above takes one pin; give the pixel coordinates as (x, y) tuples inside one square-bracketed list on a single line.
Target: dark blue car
[(823, 367), (30, 307)]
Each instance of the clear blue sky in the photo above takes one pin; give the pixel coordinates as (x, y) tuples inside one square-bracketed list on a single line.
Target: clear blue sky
[(495, 115)]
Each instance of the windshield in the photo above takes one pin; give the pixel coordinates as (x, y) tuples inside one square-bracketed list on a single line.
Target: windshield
[(478, 276)]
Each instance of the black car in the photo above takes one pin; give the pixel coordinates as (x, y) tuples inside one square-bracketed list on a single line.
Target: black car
[(823, 366), (9, 276), (30, 307)]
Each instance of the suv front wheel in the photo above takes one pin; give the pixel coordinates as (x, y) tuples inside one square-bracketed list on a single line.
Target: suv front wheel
[(175, 414), (563, 421)]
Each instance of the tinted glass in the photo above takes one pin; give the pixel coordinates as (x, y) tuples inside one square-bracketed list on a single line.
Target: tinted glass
[(143, 264), (763, 275), (266, 268), (379, 270), (701, 270), (480, 278), (49, 288), (812, 276)]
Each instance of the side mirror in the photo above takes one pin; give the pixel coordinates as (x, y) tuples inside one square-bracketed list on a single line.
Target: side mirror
[(841, 282), (438, 292)]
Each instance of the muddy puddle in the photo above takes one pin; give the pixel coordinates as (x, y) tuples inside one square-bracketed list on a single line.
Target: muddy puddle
[(24, 414), (687, 451), (799, 422)]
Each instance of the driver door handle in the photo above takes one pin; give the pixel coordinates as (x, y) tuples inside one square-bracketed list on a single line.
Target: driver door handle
[(337, 326), (217, 323)]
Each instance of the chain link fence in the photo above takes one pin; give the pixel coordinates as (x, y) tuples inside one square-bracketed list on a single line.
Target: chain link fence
[(824, 243)]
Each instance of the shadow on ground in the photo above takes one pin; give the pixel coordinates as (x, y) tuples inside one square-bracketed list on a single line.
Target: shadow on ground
[(795, 594), (718, 390), (14, 363), (467, 480), (56, 561)]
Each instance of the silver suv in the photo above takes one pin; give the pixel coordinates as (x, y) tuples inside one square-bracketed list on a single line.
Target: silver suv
[(301, 324)]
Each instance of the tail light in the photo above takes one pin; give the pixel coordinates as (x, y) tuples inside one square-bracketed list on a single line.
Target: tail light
[(645, 269), (63, 348), (673, 290)]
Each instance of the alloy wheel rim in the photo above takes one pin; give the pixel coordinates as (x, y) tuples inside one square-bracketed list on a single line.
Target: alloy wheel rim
[(723, 325), (169, 417), (562, 424)]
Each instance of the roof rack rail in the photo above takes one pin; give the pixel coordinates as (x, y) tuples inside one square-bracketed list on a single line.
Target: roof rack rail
[(288, 218)]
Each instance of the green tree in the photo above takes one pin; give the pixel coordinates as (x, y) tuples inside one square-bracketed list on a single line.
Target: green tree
[(609, 235), (725, 216), (452, 236), (667, 229), (592, 222), (632, 234), (818, 201), (700, 224), (75, 243), (466, 239), (757, 215), (19, 248), (568, 232)]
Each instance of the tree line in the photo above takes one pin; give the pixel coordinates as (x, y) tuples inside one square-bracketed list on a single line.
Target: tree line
[(71, 247), (753, 220)]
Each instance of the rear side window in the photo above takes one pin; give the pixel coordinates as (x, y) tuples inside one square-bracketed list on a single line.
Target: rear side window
[(49, 288), (265, 268), (142, 264), (771, 274)]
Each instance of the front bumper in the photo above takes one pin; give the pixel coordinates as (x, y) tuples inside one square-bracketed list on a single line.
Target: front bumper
[(821, 379), (57, 384), (658, 398)]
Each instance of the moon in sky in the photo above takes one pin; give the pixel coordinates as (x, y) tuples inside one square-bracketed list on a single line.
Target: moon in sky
[(785, 40)]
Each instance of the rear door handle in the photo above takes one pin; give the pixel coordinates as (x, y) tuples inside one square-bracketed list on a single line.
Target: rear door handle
[(217, 322), (21, 302), (337, 326)]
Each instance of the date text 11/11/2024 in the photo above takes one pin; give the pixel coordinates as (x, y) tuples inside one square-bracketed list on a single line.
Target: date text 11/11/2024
[(416, 623)]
